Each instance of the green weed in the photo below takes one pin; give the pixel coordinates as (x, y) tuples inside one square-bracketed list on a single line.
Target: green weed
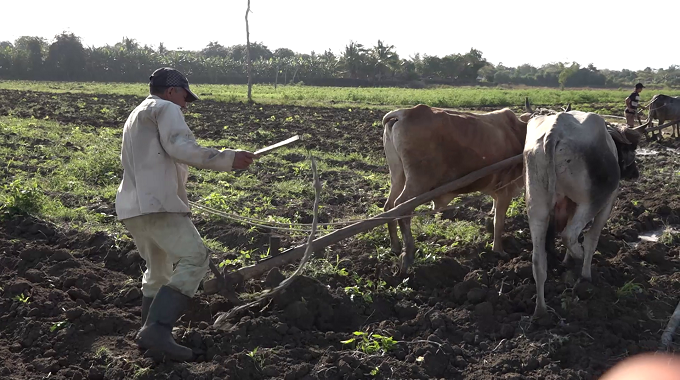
[(370, 343), (21, 198), (22, 298), (58, 326), (628, 289)]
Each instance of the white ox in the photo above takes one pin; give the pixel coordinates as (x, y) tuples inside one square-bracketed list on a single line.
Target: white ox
[(573, 163)]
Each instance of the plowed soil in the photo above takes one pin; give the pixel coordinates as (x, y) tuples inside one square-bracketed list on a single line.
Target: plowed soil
[(467, 316)]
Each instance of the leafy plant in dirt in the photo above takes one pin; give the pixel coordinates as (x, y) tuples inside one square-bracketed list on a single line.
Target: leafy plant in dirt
[(328, 267), (669, 236), (141, 371), (102, 352), (356, 291), (22, 298), (367, 288), (370, 343), (628, 289), (257, 358), (244, 257), (517, 207), (58, 326), (21, 198)]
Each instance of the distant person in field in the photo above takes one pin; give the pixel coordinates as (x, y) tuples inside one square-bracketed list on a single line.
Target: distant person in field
[(152, 203), (632, 103)]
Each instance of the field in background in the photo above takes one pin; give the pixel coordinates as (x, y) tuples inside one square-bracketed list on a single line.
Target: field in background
[(600, 100)]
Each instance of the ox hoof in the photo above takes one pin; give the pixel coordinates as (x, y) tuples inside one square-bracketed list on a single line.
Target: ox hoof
[(584, 281), (540, 315), (567, 261), (406, 262), (502, 254)]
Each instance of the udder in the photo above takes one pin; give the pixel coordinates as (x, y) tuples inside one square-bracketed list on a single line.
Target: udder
[(564, 211)]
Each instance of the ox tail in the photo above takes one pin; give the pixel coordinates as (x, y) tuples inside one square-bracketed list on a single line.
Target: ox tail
[(652, 110), (392, 117), (388, 122), (549, 145)]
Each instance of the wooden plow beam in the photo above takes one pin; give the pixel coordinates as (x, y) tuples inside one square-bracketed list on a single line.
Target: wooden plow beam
[(232, 279), (643, 128)]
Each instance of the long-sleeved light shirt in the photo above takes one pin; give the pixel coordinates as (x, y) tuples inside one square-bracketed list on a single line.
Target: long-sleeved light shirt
[(156, 150)]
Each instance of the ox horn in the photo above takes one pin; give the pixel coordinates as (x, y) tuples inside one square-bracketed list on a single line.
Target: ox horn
[(527, 106), (568, 108)]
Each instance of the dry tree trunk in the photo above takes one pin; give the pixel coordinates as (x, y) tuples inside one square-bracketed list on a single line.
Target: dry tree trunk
[(250, 64)]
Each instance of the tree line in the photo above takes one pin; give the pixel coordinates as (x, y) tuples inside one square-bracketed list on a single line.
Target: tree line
[(66, 59)]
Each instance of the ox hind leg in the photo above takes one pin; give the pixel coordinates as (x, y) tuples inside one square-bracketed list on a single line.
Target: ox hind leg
[(582, 215), (397, 181), (413, 187), (501, 204), (396, 188), (591, 237), (538, 212), (539, 206)]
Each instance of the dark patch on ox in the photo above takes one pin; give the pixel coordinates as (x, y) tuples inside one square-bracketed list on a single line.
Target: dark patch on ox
[(173, 138), (604, 173), (625, 151), (627, 165)]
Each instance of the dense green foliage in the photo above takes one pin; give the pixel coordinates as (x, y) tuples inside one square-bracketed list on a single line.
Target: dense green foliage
[(33, 58)]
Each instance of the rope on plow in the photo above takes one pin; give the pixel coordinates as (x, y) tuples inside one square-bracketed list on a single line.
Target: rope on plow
[(307, 255)]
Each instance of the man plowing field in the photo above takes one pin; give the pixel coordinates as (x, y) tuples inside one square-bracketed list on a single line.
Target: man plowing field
[(152, 203), (632, 103)]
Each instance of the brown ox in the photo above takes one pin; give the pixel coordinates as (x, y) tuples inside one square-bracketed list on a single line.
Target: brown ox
[(427, 147)]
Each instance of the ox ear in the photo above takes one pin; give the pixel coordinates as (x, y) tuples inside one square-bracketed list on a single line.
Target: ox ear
[(527, 106), (632, 135), (618, 134)]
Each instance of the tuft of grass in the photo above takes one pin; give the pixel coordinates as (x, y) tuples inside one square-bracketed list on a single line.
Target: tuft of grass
[(628, 289)]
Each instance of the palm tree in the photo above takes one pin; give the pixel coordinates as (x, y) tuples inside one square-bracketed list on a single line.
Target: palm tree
[(386, 60), (354, 59)]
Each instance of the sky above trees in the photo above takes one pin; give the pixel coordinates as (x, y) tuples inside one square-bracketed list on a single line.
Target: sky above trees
[(605, 33)]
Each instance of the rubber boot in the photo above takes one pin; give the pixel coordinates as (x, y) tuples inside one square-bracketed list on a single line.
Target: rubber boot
[(146, 303), (156, 334)]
